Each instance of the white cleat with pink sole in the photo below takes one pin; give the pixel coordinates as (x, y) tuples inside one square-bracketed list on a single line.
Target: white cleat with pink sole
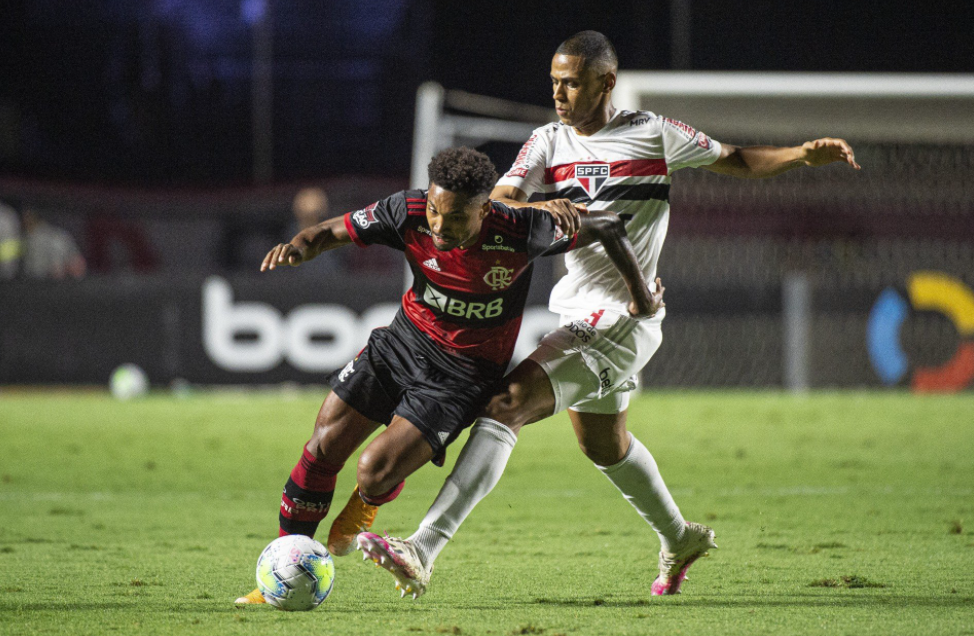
[(399, 557), (697, 541)]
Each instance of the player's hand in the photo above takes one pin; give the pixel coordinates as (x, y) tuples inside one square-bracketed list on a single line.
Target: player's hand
[(828, 150), (648, 308), (566, 214), (283, 254)]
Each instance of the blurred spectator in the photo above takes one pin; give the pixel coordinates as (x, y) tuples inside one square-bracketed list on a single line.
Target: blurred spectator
[(116, 244), (9, 242), (310, 207), (49, 252)]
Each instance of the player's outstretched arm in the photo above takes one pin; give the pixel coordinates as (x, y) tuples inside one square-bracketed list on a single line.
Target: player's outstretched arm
[(607, 228), (759, 162), (307, 244)]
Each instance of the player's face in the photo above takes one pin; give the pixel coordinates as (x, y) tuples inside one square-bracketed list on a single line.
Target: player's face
[(454, 219), (579, 92)]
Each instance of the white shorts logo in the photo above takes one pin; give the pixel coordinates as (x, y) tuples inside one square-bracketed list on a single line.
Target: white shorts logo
[(605, 382), (582, 331)]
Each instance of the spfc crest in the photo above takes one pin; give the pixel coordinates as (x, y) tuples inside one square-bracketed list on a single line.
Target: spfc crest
[(592, 176)]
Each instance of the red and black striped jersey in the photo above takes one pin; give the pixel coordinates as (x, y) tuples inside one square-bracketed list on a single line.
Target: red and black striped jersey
[(469, 301)]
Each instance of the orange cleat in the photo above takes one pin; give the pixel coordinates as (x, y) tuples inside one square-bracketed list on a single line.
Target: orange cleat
[(357, 516), (254, 598)]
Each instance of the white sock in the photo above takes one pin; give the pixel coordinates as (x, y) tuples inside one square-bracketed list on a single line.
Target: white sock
[(477, 471), (637, 478)]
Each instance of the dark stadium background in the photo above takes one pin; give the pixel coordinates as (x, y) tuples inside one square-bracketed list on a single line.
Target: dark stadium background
[(158, 91), (128, 124)]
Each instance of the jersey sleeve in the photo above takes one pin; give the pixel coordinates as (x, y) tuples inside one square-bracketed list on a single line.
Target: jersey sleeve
[(544, 237), (686, 147), (527, 173), (382, 223)]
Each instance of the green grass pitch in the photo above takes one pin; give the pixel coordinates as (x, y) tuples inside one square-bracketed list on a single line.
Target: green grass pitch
[(836, 513)]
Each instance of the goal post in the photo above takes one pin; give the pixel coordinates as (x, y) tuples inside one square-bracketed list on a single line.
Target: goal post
[(865, 107), (446, 118)]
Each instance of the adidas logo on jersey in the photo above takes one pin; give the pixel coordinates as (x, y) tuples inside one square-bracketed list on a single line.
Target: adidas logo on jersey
[(432, 264)]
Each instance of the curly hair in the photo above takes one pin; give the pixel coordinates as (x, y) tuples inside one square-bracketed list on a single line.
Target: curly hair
[(594, 48), (464, 171)]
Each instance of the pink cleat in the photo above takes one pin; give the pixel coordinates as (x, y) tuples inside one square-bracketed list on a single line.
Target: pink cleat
[(400, 558), (673, 566)]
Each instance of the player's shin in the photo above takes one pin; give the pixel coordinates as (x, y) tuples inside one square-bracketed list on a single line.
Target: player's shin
[(638, 479), (478, 469), (307, 495)]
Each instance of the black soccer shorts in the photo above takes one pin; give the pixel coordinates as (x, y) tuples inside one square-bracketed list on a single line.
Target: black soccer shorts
[(401, 372)]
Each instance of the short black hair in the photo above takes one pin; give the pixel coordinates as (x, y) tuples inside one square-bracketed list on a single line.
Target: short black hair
[(464, 171), (594, 48)]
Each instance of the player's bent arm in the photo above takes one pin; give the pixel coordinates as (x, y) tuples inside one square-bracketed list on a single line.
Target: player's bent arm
[(308, 243), (607, 228), (759, 162), (565, 212), (510, 196)]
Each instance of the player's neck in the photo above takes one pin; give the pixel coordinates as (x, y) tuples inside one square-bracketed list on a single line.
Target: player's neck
[(470, 242), (599, 119)]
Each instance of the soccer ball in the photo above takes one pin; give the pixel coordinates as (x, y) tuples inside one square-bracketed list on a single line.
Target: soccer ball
[(128, 381), (295, 573)]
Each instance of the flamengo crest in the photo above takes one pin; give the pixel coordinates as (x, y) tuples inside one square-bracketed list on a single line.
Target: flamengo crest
[(498, 277), (592, 176)]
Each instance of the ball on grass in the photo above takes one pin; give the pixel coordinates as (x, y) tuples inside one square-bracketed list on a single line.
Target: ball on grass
[(128, 381)]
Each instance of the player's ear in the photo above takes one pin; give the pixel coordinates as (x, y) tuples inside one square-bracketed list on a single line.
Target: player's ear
[(485, 209), (609, 82)]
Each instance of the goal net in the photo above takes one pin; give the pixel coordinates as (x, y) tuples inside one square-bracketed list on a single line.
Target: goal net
[(816, 278)]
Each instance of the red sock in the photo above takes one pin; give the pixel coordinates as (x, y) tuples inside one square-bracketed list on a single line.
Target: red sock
[(378, 500), (307, 495)]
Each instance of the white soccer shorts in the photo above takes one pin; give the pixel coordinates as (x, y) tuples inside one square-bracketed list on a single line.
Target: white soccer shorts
[(593, 362)]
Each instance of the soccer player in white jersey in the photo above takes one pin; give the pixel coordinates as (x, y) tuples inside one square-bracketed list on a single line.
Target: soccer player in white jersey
[(599, 157)]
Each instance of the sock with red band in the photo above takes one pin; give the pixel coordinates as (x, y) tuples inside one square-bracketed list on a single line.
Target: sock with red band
[(378, 500), (307, 495)]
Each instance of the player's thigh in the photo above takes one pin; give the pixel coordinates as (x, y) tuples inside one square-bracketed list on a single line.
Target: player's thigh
[(339, 430), (392, 456), (586, 364), (525, 396)]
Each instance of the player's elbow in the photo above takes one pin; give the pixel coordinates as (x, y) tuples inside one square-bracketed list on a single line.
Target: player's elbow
[(735, 164), (605, 225)]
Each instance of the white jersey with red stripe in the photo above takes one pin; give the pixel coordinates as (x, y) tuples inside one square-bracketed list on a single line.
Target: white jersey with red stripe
[(625, 167)]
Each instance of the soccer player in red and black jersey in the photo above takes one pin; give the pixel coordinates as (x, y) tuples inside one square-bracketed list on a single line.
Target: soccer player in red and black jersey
[(426, 376)]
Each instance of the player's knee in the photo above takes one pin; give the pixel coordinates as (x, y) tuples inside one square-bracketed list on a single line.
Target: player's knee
[(510, 407), (375, 473), (315, 445), (604, 452)]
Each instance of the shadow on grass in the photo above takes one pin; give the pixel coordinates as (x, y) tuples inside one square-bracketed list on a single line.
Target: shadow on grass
[(844, 599), (60, 607), (197, 606)]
